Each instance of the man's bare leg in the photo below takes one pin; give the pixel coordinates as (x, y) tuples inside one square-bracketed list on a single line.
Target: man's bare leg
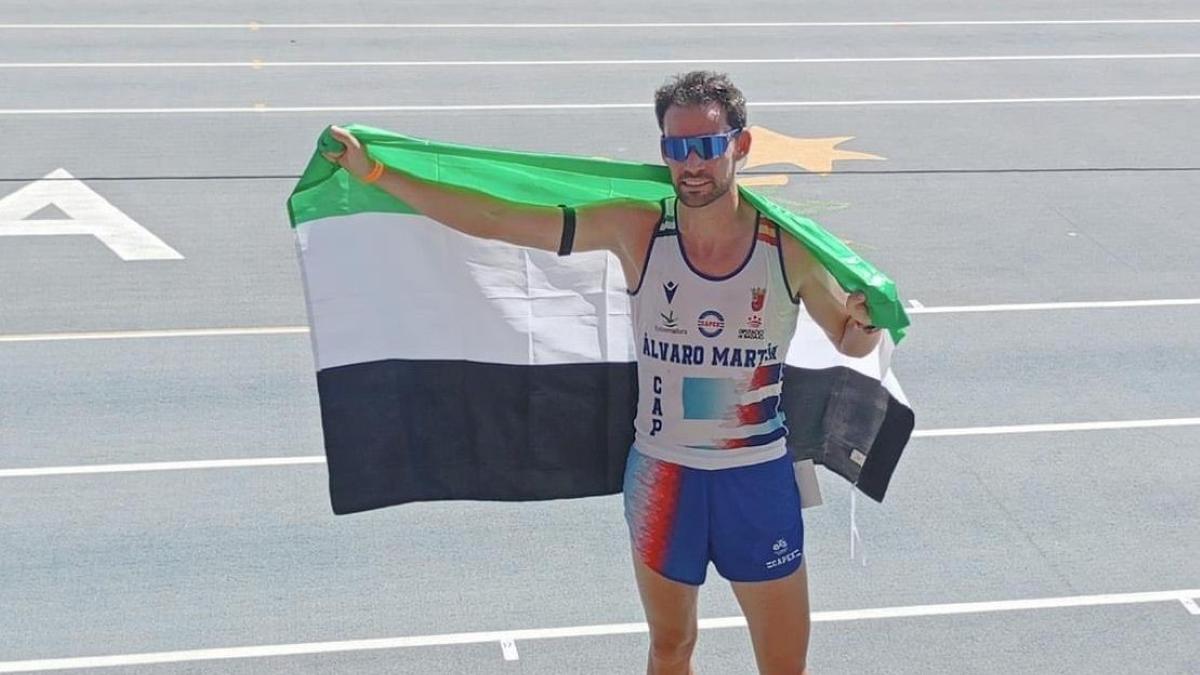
[(671, 612), (778, 616)]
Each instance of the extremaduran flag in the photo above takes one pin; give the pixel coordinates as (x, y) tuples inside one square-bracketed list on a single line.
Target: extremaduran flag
[(451, 367)]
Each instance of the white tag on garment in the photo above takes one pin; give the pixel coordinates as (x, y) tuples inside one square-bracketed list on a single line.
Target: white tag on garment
[(806, 480)]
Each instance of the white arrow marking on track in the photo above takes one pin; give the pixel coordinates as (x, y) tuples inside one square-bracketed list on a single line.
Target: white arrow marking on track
[(508, 647)]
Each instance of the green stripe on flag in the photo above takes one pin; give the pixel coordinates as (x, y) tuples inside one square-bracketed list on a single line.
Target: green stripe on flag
[(325, 190)]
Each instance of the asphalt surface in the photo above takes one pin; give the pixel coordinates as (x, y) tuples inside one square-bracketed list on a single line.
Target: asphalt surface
[(975, 204)]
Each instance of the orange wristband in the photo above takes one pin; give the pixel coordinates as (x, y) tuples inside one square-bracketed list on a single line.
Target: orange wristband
[(376, 173)]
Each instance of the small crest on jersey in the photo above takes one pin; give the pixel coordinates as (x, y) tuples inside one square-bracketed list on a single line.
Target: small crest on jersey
[(758, 297), (669, 288)]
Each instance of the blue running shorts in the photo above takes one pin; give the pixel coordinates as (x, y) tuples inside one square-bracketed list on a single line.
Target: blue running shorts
[(746, 520)]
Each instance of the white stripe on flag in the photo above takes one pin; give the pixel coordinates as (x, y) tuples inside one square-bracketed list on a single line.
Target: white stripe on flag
[(467, 298)]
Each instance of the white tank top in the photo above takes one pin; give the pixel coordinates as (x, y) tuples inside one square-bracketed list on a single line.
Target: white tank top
[(711, 353)]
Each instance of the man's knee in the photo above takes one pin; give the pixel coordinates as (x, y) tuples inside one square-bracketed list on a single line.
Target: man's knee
[(672, 646)]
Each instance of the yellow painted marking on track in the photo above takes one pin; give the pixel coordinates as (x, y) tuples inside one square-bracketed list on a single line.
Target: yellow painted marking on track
[(763, 181), (260, 106), (256, 64), (811, 154), (254, 25)]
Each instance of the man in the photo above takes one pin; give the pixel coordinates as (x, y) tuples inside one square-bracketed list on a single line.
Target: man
[(715, 289)]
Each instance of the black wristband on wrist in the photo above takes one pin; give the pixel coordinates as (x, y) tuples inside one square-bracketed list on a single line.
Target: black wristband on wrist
[(568, 231)]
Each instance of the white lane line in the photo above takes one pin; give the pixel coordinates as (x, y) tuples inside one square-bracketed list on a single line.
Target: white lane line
[(535, 107), (1042, 306), (915, 308), (913, 303), (1058, 427), (259, 64), (294, 649), (583, 26), (143, 334), (1190, 605), (160, 466)]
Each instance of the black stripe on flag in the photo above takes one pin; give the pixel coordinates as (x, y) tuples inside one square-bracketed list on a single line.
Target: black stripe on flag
[(399, 431)]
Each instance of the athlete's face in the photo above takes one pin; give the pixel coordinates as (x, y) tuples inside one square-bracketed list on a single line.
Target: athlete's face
[(700, 182)]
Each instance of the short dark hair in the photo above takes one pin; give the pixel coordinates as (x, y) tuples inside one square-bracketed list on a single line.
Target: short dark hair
[(701, 87)]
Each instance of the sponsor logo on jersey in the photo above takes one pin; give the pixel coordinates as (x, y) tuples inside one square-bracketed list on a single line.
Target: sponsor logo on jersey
[(753, 329), (670, 324), (669, 288), (710, 323)]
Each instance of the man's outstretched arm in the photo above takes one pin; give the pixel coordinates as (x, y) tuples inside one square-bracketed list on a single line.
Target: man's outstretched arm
[(601, 227), (844, 318)]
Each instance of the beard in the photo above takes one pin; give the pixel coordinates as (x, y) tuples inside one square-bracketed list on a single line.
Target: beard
[(706, 194)]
